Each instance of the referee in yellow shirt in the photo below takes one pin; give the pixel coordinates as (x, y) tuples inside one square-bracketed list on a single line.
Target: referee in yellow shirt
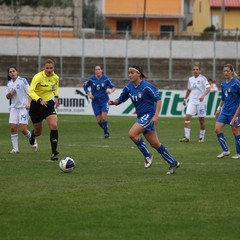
[(42, 90)]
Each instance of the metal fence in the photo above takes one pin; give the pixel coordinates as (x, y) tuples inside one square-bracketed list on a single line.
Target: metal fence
[(116, 51)]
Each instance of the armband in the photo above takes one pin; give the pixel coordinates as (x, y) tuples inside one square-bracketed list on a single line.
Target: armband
[(219, 108), (56, 96)]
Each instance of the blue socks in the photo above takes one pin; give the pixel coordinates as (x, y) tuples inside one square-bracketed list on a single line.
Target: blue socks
[(162, 150), (166, 155), (237, 143), (222, 141), (100, 124), (143, 147), (105, 126)]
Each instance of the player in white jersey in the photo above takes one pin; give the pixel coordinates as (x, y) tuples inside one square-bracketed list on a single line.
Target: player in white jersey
[(197, 89), (17, 92)]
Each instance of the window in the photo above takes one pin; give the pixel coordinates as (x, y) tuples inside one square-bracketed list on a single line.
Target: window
[(124, 26), (165, 29)]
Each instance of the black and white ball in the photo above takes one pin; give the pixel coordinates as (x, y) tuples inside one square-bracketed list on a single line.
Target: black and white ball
[(67, 164)]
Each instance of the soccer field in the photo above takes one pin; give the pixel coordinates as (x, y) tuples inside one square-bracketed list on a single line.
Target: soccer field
[(109, 195)]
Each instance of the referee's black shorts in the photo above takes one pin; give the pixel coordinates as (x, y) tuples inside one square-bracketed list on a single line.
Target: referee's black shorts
[(38, 113)]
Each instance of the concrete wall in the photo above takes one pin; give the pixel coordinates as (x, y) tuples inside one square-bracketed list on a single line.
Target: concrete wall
[(167, 64), (120, 48)]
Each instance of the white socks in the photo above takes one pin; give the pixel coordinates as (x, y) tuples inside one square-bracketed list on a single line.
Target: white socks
[(14, 139)]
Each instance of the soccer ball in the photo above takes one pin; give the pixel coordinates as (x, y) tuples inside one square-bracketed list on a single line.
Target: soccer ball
[(67, 164)]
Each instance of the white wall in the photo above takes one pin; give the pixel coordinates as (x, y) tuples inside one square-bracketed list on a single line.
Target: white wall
[(119, 48)]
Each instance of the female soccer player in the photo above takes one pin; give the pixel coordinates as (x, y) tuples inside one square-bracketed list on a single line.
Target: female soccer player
[(101, 85), (17, 92), (228, 107), (197, 89), (43, 87), (144, 96)]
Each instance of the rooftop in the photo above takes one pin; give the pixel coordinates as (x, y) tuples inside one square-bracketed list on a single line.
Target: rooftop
[(227, 3)]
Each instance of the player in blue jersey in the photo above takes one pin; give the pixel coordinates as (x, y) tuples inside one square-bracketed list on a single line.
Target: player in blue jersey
[(228, 107), (144, 97), (101, 86)]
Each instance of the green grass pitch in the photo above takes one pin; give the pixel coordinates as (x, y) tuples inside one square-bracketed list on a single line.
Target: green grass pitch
[(109, 195)]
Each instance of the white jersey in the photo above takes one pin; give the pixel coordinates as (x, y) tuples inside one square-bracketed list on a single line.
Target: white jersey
[(197, 86), (20, 85)]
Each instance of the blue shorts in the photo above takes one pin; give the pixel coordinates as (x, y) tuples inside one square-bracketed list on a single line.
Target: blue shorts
[(226, 119), (146, 122), (100, 106)]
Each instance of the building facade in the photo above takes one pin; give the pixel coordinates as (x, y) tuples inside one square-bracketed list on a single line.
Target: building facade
[(223, 15), (147, 16)]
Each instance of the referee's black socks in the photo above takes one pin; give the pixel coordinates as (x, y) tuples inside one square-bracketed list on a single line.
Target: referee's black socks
[(54, 140)]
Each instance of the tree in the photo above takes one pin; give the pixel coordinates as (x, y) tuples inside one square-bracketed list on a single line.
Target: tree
[(91, 17)]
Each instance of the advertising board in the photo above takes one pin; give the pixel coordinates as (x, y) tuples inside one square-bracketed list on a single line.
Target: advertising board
[(74, 101)]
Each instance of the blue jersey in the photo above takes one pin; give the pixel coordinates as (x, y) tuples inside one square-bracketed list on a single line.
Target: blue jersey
[(230, 96), (143, 97), (98, 87)]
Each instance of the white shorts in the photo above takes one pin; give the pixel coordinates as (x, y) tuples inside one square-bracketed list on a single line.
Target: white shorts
[(18, 116), (197, 109)]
